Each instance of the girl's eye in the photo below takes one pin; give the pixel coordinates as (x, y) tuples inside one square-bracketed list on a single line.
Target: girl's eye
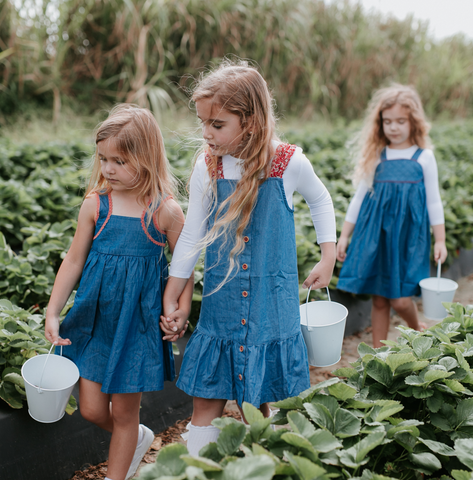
[(218, 127), (120, 162)]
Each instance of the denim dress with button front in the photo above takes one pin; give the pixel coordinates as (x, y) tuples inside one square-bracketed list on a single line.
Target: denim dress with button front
[(248, 344), (389, 252), (114, 323)]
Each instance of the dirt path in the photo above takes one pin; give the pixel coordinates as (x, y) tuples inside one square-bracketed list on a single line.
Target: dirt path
[(463, 295)]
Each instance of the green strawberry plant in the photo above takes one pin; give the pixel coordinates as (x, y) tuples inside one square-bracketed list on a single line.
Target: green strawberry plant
[(403, 411), (27, 278), (21, 338)]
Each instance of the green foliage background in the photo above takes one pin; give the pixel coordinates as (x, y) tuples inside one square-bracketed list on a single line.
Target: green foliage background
[(319, 58)]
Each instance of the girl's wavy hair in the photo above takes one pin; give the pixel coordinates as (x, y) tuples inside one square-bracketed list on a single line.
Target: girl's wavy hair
[(138, 138), (239, 88), (372, 140)]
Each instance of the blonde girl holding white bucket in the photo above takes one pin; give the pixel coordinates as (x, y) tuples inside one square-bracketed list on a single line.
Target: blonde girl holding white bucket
[(396, 202), (112, 332), (248, 344)]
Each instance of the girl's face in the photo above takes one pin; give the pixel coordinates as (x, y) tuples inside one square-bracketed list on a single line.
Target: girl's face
[(396, 126), (119, 173), (221, 129)]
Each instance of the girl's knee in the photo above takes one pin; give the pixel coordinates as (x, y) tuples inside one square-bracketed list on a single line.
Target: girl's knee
[(401, 304), (93, 414), (380, 302)]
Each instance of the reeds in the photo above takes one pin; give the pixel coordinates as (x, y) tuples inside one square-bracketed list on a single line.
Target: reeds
[(317, 58)]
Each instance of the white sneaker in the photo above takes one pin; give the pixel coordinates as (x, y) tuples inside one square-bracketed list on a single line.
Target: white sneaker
[(141, 449)]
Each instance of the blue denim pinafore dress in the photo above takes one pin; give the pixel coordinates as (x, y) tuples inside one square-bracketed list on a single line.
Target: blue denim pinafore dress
[(248, 344), (114, 323), (390, 247)]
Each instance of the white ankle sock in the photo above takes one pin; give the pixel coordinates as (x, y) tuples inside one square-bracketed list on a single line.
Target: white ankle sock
[(200, 436)]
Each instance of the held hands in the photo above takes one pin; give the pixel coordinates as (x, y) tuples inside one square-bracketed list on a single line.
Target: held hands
[(51, 331), (173, 323)]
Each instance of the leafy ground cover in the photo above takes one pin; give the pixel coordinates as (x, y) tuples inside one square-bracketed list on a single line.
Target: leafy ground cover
[(401, 411)]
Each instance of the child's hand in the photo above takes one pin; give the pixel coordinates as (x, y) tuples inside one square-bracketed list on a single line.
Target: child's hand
[(440, 252), (342, 246), (174, 325), (51, 331), (320, 276)]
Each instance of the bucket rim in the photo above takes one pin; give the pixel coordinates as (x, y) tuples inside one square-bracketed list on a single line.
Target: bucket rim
[(50, 389), (448, 280), (304, 323), (322, 326)]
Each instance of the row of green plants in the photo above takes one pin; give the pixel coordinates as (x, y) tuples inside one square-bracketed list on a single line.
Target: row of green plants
[(319, 57), (404, 411), (41, 188)]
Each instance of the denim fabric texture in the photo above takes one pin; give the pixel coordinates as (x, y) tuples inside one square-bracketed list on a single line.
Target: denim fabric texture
[(114, 323), (390, 247), (248, 344)]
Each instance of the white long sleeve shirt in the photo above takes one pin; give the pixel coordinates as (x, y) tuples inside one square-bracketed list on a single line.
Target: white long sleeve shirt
[(429, 166), (299, 176)]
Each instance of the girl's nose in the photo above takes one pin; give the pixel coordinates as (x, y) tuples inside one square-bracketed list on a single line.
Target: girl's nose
[(206, 132)]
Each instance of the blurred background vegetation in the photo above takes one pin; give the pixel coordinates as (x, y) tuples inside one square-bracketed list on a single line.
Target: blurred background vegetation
[(321, 60)]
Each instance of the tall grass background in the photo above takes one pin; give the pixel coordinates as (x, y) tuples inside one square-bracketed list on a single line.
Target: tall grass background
[(319, 59)]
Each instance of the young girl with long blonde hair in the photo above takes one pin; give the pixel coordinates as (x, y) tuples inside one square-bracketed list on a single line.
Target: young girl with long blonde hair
[(248, 344), (396, 201), (112, 332)]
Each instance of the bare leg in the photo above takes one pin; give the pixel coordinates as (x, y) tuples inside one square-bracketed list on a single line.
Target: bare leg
[(406, 308), (205, 410), (95, 405), (126, 420), (122, 421), (380, 317)]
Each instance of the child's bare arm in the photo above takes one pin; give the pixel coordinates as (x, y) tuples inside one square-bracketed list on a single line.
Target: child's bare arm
[(440, 249), (343, 241), (70, 270), (177, 297)]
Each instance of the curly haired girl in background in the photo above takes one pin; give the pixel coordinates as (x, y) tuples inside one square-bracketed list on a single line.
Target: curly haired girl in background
[(396, 199), (248, 344), (112, 332)]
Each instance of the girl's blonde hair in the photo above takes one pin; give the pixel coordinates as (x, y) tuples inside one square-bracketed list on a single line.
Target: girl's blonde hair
[(372, 139), (138, 138), (239, 88)]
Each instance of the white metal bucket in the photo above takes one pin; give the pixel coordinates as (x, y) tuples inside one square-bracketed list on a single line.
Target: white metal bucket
[(323, 328), (48, 389), (436, 290)]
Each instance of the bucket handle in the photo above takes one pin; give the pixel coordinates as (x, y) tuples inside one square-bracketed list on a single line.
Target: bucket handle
[(44, 367), (439, 264), (307, 301)]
